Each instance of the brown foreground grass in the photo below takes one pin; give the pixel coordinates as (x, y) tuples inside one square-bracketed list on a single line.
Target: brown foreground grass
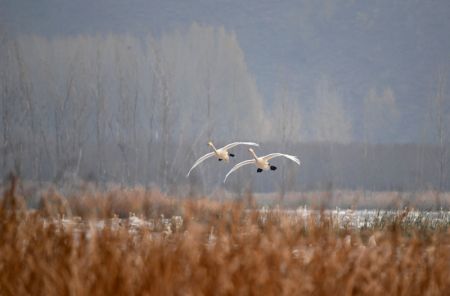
[(218, 249)]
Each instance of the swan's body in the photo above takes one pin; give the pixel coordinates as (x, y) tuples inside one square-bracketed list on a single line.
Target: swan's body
[(221, 153), (262, 163)]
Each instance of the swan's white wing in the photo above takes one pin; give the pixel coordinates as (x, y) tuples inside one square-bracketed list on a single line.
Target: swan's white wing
[(291, 157), (231, 145), (201, 159), (245, 162)]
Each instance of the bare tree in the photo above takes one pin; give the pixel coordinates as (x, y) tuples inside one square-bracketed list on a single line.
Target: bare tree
[(329, 119), (14, 107), (329, 125), (162, 74), (25, 96), (128, 91), (100, 112), (60, 112), (380, 115), (151, 103), (4, 95), (287, 124), (441, 119)]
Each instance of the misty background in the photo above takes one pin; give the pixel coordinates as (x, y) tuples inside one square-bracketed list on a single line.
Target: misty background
[(132, 91)]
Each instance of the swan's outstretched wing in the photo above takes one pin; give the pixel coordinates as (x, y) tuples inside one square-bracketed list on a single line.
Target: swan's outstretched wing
[(291, 157), (201, 159), (245, 162), (231, 145)]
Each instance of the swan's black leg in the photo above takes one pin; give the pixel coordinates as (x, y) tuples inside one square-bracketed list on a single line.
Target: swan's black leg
[(272, 167), (220, 159), (259, 170), (231, 154)]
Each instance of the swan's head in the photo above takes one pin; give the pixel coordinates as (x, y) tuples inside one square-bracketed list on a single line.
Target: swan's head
[(251, 150), (210, 143)]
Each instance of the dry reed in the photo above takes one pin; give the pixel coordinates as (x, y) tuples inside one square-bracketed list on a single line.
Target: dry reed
[(201, 247)]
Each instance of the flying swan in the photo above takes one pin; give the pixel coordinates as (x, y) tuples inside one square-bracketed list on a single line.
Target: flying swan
[(221, 153), (262, 163)]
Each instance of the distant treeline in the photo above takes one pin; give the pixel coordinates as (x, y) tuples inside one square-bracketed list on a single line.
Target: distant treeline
[(130, 110)]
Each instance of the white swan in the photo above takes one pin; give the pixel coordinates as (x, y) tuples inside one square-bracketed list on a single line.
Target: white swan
[(221, 153), (262, 163)]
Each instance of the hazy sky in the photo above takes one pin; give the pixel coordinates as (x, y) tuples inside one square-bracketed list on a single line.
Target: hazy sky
[(357, 45)]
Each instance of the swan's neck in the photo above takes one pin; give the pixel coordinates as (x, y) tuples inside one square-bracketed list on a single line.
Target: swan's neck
[(254, 155), (214, 147)]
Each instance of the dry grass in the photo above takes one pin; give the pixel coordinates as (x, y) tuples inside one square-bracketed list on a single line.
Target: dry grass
[(219, 249)]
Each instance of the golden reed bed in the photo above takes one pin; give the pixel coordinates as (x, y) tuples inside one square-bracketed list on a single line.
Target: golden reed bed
[(218, 249)]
